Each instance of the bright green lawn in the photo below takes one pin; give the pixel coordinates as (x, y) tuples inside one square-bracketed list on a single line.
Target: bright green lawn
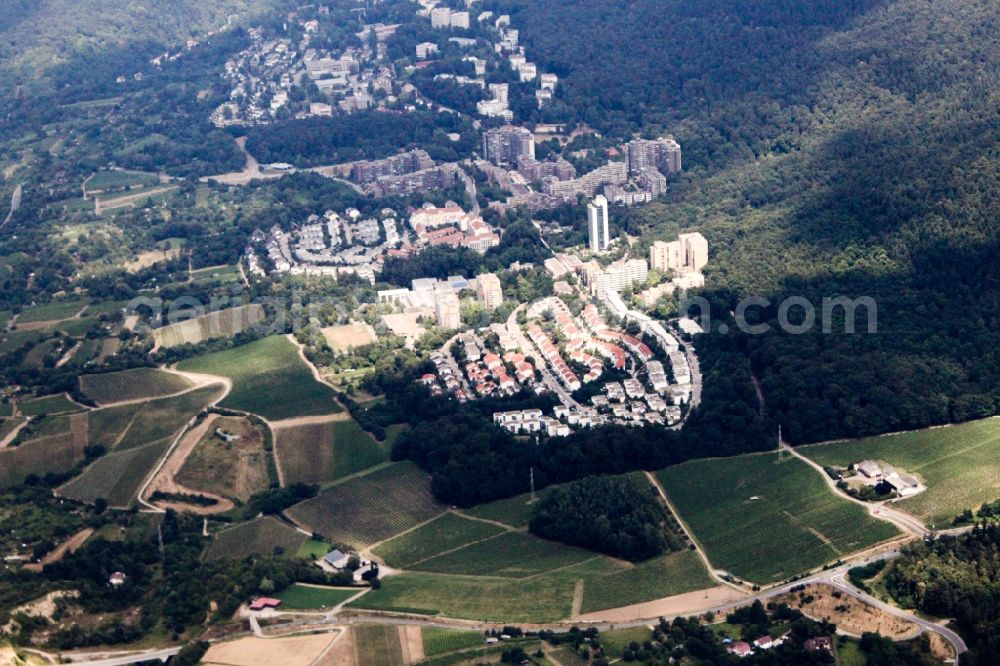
[(306, 597)]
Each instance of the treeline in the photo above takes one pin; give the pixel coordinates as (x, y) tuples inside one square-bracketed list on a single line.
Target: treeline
[(620, 516), (363, 135), (956, 577)]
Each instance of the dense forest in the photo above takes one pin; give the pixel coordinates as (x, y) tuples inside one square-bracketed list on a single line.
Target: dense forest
[(832, 148), (956, 577), (622, 517)]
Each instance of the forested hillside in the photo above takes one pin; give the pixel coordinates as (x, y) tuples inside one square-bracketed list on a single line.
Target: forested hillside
[(832, 148), (36, 35)]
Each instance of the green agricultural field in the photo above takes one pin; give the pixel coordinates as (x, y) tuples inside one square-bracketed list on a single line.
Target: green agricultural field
[(221, 324), (4, 318), (6, 409), (52, 445), (263, 536), (514, 511), (269, 379), (312, 597), (225, 274), (313, 549), (324, 452), (137, 384), (165, 417), (35, 358), (542, 599), (438, 641), (448, 532), (118, 180), (378, 645), (663, 576), (51, 404), (54, 311), (956, 463), (367, 509), (14, 340), (88, 351), (107, 425), (766, 520), (117, 476), (511, 555)]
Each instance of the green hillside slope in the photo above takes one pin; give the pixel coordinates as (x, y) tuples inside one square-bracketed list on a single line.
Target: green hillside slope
[(832, 148)]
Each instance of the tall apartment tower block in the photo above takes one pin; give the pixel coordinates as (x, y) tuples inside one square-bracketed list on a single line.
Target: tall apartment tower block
[(597, 224), (664, 155), (489, 291), (687, 254), (503, 145)]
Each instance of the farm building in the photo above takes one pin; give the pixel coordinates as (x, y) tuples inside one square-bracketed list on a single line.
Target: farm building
[(337, 559), (260, 603), (870, 469), (117, 579)]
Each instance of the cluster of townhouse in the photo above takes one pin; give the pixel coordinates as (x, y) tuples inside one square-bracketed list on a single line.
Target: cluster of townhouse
[(262, 76), (333, 244)]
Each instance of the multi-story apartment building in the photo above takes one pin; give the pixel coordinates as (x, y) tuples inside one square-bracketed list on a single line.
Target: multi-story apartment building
[(687, 254), (448, 309), (504, 145), (613, 173), (618, 275), (597, 224), (397, 165), (489, 291), (663, 154)]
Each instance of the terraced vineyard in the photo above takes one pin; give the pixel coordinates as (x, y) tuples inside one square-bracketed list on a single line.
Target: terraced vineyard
[(448, 532), (137, 384), (766, 520), (513, 555), (439, 641), (264, 536), (262, 370), (51, 404), (220, 324), (367, 509), (664, 576), (56, 447), (324, 452), (956, 463), (137, 436), (117, 476), (378, 645), (54, 311)]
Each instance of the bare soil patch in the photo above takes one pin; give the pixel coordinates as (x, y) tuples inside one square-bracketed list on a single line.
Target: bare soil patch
[(294, 651), (689, 603), (411, 638), (849, 614)]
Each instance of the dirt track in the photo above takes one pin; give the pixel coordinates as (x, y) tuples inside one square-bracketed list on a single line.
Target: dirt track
[(70, 545)]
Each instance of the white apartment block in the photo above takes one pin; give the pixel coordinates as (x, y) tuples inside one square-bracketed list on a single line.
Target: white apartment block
[(597, 224), (687, 254)]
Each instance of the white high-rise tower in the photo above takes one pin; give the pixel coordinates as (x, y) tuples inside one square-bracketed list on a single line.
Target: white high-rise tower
[(597, 218)]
